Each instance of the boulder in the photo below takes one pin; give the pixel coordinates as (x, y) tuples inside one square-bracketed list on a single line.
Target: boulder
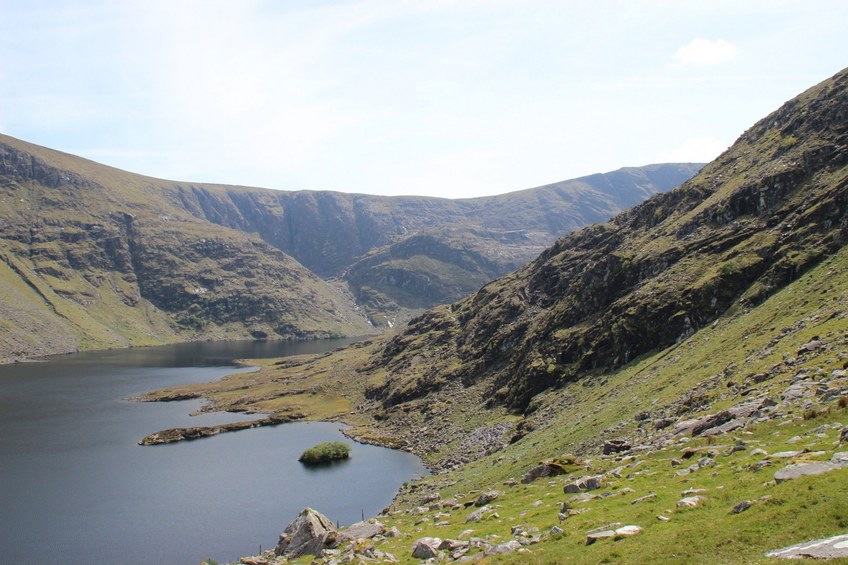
[(711, 422), (592, 537), (784, 455), (810, 346), (690, 502), (724, 428), (432, 497), (643, 498), (611, 531), (477, 515), (501, 548), (308, 534), (426, 548), (487, 497), (840, 458), (741, 507), (791, 472), (616, 446), (363, 530), (627, 531), (551, 468), (583, 484), (453, 544)]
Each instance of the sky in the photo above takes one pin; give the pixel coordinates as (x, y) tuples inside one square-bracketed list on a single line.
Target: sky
[(449, 98)]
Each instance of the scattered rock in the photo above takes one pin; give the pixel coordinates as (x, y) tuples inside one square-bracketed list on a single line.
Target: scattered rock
[(643, 498), (426, 548), (615, 531), (840, 458), (760, 464), (843, 435), (255, 560), (791, 472), (616, 446), (810, 346), (784, 455), (551, 468), (737, 447), (796, 391), (758, 451), (692, 491), (556, 530), (592, 537), (501, 548), (662, 518), (583, 484), (487, 497), (741, 507), (711, 422), (826, 548), (453, 544), (433, 497), (477, 515), (363, 530), (663, 423), (627, 531), (306, 534), (690, 502)]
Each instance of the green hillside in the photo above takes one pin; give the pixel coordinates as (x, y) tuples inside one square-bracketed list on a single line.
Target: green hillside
[(671, 369)]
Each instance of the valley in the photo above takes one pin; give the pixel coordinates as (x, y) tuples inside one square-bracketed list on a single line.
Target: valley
[(689, 357), (94, 257)]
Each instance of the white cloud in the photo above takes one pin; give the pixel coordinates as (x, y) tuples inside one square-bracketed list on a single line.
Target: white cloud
[(705, 52), (693, 150)]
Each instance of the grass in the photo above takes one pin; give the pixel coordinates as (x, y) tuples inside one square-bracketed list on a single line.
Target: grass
[(714, 366), (325, 453)]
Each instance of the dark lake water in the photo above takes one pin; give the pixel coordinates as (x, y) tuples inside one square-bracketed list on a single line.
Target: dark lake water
[(76, 488)]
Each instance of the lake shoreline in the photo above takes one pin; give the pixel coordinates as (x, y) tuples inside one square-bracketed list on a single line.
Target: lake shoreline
[(80, 486)]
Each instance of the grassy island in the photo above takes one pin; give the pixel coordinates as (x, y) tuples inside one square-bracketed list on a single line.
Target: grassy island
[(325, 453)]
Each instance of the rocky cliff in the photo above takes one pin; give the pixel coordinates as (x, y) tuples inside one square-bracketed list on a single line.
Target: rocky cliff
[(97, 257), (94, 257), (767, 210)]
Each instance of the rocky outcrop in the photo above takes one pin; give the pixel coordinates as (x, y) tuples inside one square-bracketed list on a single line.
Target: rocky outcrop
[(174, 435), (748, 224), (826, 548), (308, 534)]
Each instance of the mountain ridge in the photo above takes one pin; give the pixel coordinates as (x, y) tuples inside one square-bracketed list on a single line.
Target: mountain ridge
[(115, 259)]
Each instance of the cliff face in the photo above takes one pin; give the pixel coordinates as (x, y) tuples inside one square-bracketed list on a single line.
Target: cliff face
[(95, 257), (110, 258), (767, 210), (328, 231), (400, 255)]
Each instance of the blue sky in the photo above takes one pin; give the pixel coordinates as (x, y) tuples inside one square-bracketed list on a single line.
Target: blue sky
[(452, 98)]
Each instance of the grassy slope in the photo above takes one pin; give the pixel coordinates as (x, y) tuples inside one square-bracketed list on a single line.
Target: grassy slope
[(796, 511), (714, 365), (98, 257)]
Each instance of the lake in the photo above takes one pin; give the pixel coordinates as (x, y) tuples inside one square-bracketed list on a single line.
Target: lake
[(76, 488)]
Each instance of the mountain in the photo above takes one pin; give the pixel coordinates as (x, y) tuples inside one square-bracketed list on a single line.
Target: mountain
[(93, 257), (399, 255), (686, 360)]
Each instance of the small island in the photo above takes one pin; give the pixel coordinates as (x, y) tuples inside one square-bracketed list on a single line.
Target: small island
[(325, 453)]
